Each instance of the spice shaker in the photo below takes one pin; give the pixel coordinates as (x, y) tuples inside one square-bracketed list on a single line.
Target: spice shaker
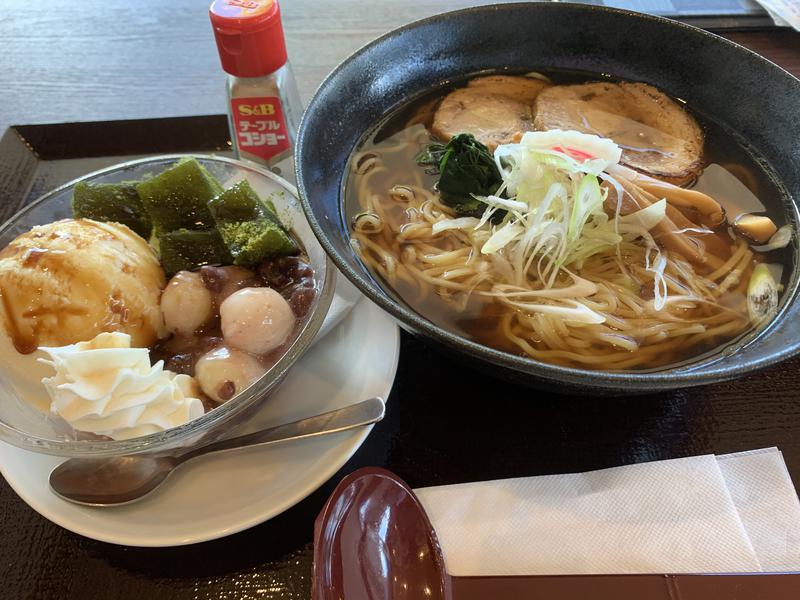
[(264, 106)]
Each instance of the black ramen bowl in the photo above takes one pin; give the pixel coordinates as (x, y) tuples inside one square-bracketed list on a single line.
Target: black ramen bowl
[(739, 90)]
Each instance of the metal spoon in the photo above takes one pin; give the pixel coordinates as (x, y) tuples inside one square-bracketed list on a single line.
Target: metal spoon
[(125, 479)]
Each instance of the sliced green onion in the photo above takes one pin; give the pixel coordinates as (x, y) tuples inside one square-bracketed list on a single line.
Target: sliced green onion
[(762, 295), (780, 239)]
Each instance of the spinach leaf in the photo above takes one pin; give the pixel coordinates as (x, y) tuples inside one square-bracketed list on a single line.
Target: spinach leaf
[(431, 157), (465, 167)]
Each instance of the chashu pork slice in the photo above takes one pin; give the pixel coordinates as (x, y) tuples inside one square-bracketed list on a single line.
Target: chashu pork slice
[(491, 108), (524, 89), (657, 135)]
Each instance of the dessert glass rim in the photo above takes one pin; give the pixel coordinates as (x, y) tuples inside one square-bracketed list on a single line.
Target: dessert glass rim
[(171, 438)]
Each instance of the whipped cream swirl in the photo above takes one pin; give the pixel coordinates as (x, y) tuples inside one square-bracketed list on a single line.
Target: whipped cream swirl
[(104, 386)]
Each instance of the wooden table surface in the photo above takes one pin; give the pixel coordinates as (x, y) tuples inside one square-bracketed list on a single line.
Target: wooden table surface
[(115, 59), (98, 60)]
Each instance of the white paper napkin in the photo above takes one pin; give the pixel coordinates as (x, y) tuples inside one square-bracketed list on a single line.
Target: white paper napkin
[(762, 492), (344, 299), (783, 12), (735, 513)]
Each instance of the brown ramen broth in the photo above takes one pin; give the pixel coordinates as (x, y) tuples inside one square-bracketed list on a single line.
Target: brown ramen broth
[(392, 203)]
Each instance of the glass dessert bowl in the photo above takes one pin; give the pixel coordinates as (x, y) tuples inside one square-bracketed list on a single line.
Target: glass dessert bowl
[(164, 330)]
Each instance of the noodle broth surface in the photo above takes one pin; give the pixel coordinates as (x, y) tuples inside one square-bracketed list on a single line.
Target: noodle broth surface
[(392, 204)]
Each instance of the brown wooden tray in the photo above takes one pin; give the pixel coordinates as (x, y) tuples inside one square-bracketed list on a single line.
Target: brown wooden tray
[(445, 423)]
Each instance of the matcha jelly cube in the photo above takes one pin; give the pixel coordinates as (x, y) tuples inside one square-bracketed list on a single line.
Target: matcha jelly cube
[(178, 197), (185, 250), (270, 207), (111, 202), (251, 230)]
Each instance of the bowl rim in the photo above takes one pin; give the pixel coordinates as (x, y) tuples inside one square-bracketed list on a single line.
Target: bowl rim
[(217, 416), (701, 370)]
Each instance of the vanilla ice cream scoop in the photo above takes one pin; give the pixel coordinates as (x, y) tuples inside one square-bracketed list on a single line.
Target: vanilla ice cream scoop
[(106, 387), (70, 280)]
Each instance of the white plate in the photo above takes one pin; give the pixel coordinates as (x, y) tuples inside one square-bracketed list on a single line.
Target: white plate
[(217, 495)]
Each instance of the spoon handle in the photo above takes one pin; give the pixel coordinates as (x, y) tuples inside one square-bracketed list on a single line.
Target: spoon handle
[(349, 417)]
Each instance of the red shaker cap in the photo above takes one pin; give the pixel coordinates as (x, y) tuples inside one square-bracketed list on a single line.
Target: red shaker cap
[(249, 36)]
